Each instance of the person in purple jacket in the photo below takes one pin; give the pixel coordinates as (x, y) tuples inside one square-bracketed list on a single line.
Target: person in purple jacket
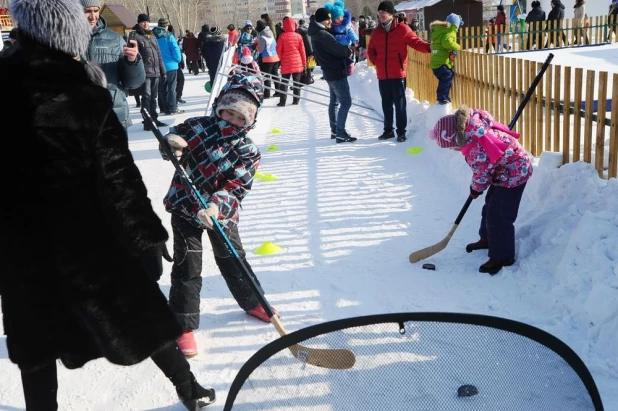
[(500, 166)]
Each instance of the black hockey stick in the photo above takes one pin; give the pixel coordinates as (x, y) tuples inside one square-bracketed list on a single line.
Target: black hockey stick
[(436, 248), (320, 357)]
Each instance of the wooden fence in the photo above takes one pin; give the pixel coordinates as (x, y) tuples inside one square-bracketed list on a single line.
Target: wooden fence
[(567, 112)]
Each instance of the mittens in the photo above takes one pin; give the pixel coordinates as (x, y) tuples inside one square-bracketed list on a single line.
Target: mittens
[(176, 143), (205, 215), (474, 194)]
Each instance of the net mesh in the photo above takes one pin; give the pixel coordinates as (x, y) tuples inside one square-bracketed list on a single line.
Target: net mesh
[(417, 365)]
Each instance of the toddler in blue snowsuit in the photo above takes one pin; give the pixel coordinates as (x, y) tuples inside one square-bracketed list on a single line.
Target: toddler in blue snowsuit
[(341, 28)]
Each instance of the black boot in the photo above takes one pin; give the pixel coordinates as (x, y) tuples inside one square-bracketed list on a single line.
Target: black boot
[(194, 396), (481, 244), (493, 266), (401, 137), (386, 135)]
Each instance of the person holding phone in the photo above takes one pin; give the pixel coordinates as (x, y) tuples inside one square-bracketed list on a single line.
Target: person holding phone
[(122, 65), (148, 48)]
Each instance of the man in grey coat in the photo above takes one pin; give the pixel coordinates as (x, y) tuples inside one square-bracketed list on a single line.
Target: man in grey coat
[(148, 47), (122, 65)]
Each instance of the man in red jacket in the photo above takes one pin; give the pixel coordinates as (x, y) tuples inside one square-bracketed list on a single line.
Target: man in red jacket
[(388, 52)]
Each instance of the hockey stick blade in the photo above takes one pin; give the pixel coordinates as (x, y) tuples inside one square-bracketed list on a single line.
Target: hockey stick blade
[(334, 359), (432, 249), (325, 358)]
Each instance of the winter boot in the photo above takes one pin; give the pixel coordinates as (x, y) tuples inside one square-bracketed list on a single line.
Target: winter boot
[(345, 138), (401, 137), (186, 343), (351, 69), (333, 136), (386, 135), (481, 244), (259, 313), (194, 396), (493, 266)]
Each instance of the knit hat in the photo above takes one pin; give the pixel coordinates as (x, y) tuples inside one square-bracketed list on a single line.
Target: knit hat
[(321, 15), (143, 17), (57, 24), (248, 24), (260, 26), (215, 30), (455, 20), (335, 9), (388, 7), (91, 3), (501, 7), (163, 22), (240, 101), (246, 58), (444, 132)]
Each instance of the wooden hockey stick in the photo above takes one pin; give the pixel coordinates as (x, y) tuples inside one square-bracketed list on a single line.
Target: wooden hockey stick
[(320, 357), (436, 248)]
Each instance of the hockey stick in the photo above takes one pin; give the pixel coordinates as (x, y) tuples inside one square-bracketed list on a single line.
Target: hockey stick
[(436, 248), (320, 357)]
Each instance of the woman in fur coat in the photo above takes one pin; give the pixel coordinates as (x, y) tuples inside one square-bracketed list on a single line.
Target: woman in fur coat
[(79, 238)]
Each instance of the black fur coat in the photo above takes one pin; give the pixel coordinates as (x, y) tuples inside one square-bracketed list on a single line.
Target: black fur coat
[(75, 219)]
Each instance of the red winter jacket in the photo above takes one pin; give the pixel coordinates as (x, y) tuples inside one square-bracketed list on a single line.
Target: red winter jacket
[(291, 49), (388, 51)]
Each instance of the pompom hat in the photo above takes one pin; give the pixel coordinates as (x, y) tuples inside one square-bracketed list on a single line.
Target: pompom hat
[(57, 24), (246, 58), (444, 132)]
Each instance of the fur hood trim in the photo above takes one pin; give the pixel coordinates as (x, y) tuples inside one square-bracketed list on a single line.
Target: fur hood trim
[(463, 117), (440, 23)]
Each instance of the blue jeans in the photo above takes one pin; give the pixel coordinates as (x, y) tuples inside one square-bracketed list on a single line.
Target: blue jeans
[(167, 93), (393, 93), (445, 82), (339, 98)]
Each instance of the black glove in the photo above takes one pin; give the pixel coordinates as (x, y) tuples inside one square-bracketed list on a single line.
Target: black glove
[(164, 78), (474, 194)]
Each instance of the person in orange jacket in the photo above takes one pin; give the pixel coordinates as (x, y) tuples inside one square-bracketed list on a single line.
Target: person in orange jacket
[(388, 52)]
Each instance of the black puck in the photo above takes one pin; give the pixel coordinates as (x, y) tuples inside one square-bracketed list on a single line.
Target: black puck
[(429, 267), (467, 391)]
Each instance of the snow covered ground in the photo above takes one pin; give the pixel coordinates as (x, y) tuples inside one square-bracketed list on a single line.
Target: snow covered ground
[(347, 216)]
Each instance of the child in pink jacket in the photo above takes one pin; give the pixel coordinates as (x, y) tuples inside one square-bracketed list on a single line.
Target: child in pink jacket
[(498, 164)]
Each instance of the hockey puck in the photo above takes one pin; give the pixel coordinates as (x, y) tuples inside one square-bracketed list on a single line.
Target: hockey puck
[(467, 391), (429, 267)]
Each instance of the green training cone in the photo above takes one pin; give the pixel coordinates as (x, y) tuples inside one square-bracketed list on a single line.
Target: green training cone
[(208, 87), (268, 248), (275, 130), (258, 174), (415, 150), (269, 177), (273, 147)]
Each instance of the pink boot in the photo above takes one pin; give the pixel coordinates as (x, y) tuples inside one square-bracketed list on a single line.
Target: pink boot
[(186, 343), (259, 313)]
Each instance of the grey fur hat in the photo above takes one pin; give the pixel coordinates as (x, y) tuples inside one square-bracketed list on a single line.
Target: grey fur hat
[(57, 24)]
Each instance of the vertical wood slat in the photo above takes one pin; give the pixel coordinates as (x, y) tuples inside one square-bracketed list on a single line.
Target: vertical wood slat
[(520, 86), (524, 86), (504, 92), (494, 83), (538, 112), (599, 147), (556, 140), (547, 105), (513, 85), (577, 120), (527, 116), (613, 132), (566, 126), (590, 78)]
